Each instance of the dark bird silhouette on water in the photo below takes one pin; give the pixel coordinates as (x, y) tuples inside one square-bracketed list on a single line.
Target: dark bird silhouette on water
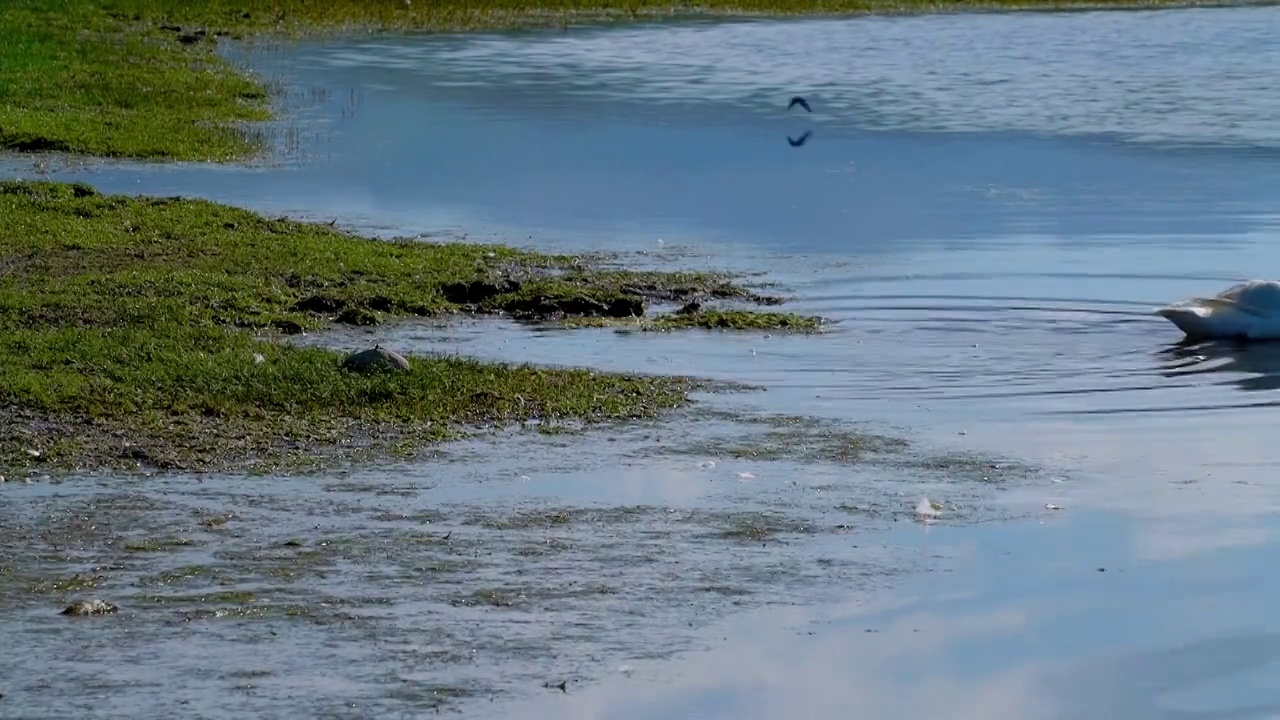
[(797, 142), (797, 100)]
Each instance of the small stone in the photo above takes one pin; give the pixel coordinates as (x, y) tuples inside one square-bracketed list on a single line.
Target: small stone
[(375, 358), (258, 359), (34, 453), (92, 606)]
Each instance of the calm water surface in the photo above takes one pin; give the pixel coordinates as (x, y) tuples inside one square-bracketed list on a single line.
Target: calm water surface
[(988, 209), (1040, 621)]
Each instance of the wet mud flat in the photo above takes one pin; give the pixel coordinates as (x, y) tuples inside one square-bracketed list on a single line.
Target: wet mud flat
[(504, 567)]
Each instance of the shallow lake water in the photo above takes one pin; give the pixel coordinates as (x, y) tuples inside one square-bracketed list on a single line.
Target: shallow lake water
[(1037, 620), (987, 210)]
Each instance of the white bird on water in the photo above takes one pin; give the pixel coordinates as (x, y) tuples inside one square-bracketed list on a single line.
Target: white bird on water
[(1247, 311)]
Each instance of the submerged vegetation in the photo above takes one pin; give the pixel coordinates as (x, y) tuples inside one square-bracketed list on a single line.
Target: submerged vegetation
[(146, 331), (140, 78), (707, 320), (814, 440)]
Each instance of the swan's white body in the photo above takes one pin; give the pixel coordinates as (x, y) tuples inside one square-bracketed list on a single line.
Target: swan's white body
[(1248, 311)]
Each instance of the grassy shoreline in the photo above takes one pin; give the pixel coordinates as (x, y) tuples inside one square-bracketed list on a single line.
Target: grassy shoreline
[(142, 79), (145, 332), (132, 328), (142, 332)]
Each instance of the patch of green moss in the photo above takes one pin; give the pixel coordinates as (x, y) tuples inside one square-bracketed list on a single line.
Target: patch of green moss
[(801, 443), (180, 575), (226, 597), (709, 320), (74, 583), (139, 332), (151, 545), (760, 527)]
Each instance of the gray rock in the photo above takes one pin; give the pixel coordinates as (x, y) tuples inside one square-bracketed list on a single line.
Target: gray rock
[(374, 359), (92, 606)]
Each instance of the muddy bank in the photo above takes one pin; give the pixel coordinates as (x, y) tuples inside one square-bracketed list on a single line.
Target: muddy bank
[(498, 567)]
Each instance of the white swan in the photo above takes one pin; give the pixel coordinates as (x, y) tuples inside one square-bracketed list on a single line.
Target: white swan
[(1248, 311)]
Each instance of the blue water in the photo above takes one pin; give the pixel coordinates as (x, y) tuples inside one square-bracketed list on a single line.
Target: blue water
[(1065, 619), (988, 209)]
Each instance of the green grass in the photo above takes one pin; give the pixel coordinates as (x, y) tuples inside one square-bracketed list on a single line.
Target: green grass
[(75, 79), (729, 319), (133, 78), (146, 330)]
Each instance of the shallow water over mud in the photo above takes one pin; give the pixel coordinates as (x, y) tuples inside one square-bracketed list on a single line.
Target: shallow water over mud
[(1058, 619), (987, 211), (478, 576)]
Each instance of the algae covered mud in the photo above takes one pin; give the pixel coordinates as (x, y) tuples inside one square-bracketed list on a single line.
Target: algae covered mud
[(128, 331), (504, 569)]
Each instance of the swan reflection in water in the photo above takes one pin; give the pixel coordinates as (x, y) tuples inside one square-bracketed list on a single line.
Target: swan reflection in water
[(1258, 362)]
